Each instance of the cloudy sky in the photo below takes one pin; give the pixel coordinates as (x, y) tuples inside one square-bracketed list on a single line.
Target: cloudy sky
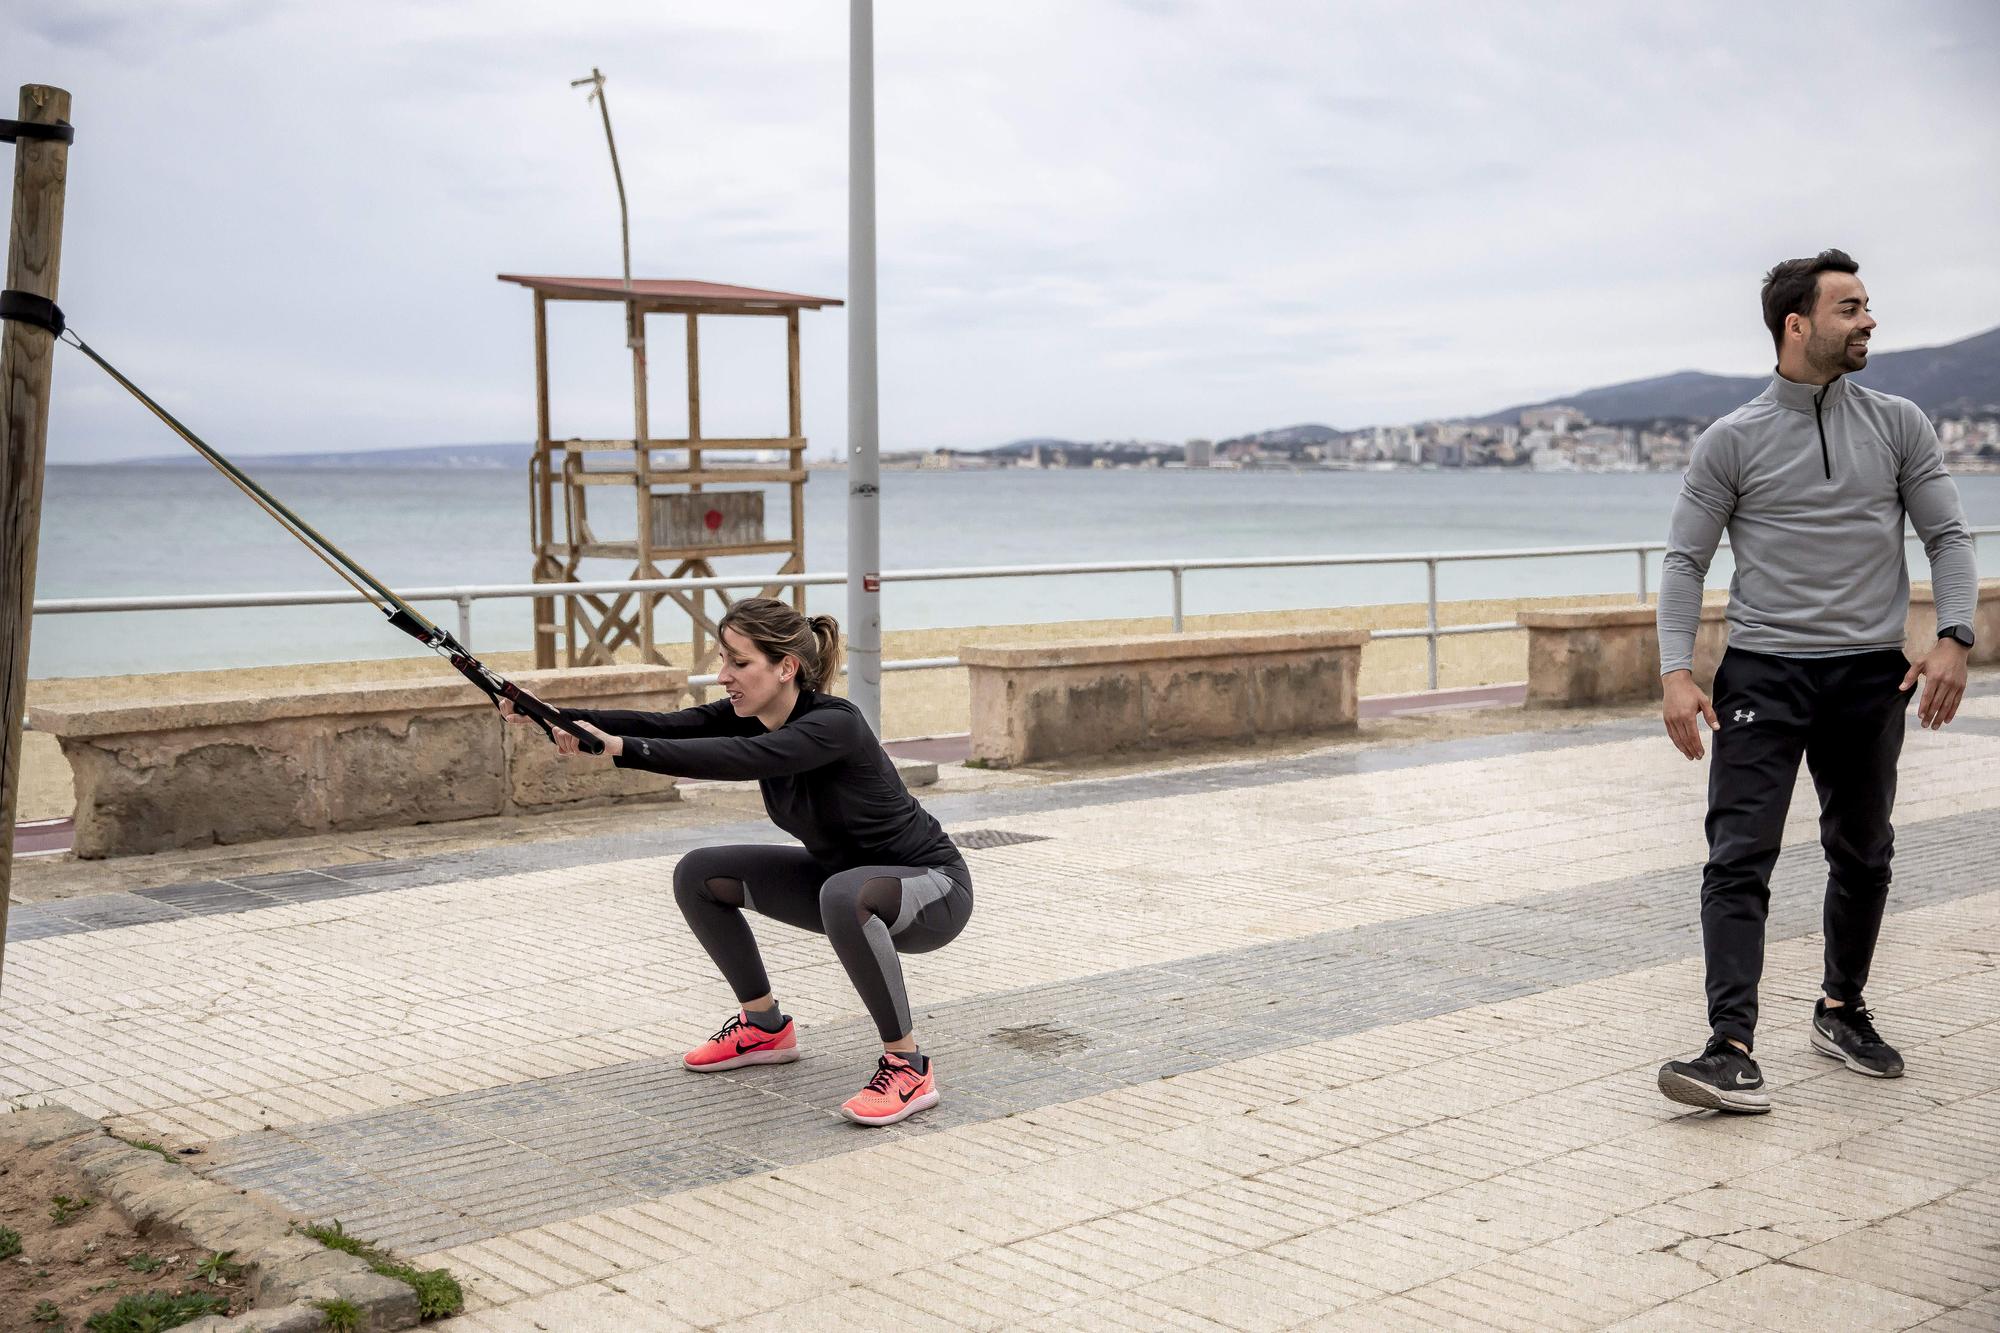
[(1151, 219)]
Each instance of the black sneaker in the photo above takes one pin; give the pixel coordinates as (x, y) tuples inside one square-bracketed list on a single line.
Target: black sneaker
[(1721, 1079), (1848, 1034)]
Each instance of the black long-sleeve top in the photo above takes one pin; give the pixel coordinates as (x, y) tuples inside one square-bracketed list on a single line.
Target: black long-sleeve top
[(825, 778)]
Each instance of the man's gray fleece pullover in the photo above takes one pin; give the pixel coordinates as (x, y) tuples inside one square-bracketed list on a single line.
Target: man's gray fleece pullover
[(1812, 483)]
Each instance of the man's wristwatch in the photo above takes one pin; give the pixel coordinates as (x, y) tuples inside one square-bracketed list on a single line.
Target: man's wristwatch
[(1960, 633)]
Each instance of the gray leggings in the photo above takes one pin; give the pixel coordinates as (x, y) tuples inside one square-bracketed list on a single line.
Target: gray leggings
[(870, 913)]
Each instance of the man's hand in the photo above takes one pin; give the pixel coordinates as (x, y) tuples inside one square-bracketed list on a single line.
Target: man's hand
[(1685, 704), (1943, 667)]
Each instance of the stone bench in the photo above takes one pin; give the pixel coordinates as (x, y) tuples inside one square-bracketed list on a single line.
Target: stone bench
[(195, 772), (1100, 696), (1609, 654)]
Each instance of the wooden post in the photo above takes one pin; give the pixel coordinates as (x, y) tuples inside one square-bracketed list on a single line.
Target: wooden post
[(794, 428), (543, 515), (27, 358), (642, 474), (694, 398), (697, 638)]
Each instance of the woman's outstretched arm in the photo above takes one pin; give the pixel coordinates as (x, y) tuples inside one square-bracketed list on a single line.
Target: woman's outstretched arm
[(822, 737), (709, 719)]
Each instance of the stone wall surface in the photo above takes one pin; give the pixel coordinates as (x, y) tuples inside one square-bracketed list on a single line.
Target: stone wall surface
[(192, 772)]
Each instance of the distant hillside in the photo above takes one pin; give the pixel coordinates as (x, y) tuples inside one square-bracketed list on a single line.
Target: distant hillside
[(1956, 379), (1309, 433), (1020, 448), (1050, 445)]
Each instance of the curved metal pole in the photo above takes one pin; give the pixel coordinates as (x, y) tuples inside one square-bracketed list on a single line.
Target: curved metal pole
[(596, 82)]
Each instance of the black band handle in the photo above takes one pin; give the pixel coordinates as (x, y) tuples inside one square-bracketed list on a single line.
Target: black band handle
[(549, 717), (59, 132), (496, 687), (29, 308)]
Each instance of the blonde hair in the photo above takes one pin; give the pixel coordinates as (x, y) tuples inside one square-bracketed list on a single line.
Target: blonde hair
[(778, 631)]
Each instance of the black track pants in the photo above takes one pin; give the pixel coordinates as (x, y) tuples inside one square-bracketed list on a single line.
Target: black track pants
[(1844, 716)]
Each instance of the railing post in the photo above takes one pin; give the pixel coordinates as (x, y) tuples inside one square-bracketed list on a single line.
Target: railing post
[(1431, 616), (1642, 573), (1176, 571), (465, 621)]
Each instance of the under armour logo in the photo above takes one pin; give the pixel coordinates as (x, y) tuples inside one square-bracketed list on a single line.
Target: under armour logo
[(1744, 715)]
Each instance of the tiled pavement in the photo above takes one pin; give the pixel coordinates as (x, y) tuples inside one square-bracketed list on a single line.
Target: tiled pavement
[(1356, 1039)]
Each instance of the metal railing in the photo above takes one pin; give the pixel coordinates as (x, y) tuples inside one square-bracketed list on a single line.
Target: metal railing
[(464, 596)]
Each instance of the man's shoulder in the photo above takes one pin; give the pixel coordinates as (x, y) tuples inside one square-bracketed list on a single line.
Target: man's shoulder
[(1727, 430), (1887, 405), (1757, 412), (1902, 423)]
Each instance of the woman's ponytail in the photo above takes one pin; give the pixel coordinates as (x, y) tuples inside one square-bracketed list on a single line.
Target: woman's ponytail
[(825, 668)]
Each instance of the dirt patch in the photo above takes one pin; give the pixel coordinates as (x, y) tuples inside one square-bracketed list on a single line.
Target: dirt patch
[(72, 1269)]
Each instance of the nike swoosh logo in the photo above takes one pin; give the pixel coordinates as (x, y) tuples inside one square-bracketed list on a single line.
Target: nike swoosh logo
[(1743, 1080), (745, 1047), (907, 1095)]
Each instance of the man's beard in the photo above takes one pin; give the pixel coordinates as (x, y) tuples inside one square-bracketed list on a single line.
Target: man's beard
[(1833, 356)]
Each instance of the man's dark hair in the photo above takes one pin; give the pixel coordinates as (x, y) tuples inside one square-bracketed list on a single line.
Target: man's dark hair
[(1792, 287)]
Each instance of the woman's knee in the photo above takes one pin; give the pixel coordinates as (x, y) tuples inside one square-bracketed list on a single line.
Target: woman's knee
[(693, 872), (851, 897), (838, 898)]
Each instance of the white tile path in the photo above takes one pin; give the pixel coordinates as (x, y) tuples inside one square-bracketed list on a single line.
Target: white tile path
[(1508, 1165)]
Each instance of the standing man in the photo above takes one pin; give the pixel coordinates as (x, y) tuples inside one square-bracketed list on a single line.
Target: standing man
[(1812, 480)]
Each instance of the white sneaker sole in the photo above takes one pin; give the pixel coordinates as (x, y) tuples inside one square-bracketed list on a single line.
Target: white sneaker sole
[(1693, 1092), (1830, 1048), (783, 1057), (923, 1103)]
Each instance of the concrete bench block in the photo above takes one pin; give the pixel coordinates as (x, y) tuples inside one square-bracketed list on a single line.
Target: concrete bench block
[(194, 772), (1101, 696), (1609, 654)]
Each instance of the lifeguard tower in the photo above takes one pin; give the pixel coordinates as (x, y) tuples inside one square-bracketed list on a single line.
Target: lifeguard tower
[(684, 516)]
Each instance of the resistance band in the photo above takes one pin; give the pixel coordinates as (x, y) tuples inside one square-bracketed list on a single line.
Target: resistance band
[(42, 313)]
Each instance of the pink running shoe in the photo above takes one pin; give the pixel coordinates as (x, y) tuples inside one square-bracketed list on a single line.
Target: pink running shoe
[(897, 1092), (742, 1042)]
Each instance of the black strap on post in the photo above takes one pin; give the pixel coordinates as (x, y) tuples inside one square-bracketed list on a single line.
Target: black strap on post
[(29, 308), (60, 132)]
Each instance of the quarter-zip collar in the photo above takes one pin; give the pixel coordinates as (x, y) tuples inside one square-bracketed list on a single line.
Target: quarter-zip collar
[(1805, 397)]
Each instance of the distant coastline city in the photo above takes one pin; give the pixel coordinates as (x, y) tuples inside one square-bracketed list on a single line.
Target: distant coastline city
[(1556, 438), (1648, 425)]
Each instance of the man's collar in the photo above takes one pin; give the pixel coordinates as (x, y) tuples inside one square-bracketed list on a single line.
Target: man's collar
[(1802, 397)]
